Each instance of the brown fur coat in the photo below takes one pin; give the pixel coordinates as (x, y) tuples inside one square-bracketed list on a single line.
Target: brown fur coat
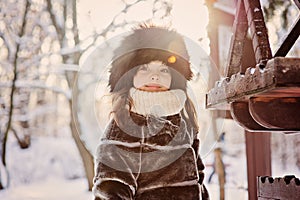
[(157, 160)]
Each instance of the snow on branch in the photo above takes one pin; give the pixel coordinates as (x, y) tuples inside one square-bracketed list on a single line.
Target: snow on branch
[(37, 85)]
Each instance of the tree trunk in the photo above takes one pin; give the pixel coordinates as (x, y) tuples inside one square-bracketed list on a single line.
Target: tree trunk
[(218, 164), (220, 170), (86, 156), (14, 59)]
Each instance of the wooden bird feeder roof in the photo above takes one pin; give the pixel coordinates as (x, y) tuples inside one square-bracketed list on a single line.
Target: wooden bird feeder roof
[(264, 97)]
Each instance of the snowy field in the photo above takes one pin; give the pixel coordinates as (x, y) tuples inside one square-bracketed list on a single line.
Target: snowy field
[(51, 169), (53, 188)]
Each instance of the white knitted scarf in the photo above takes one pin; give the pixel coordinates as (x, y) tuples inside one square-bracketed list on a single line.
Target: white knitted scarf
[(159, 104)]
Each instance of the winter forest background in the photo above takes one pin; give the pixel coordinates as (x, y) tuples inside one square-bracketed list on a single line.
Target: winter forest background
[(46, 155)]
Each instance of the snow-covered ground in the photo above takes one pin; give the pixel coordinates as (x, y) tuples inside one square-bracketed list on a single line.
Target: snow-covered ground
[(52, 188), (51, 169)]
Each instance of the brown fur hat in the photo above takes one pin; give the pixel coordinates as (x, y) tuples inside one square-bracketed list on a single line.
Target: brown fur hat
[(146, 44)]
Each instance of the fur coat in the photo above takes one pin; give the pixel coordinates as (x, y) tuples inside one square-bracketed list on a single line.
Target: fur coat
[(149, 158)]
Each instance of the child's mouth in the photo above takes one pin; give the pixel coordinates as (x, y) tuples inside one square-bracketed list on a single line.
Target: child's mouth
[(153, 87)]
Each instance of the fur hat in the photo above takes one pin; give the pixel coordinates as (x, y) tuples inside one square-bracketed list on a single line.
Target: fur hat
[(148, 44)]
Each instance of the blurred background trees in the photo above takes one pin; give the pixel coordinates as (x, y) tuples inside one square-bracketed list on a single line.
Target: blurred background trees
[(40, 47)]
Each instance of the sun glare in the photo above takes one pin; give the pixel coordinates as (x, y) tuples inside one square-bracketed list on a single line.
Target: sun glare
[(188, 17)]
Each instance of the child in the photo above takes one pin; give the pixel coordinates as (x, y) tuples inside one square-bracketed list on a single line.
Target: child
[(150, 148)]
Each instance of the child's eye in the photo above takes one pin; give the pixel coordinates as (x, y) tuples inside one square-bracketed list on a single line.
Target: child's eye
[(165, 70), (143, 68)]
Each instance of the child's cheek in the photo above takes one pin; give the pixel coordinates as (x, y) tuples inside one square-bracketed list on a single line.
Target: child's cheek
[(166, 82), (138, 82)]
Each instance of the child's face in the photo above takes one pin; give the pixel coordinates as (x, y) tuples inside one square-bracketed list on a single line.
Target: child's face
[(153, 77)]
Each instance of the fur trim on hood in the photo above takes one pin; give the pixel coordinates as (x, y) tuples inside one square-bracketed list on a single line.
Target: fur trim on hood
[(148, 44)]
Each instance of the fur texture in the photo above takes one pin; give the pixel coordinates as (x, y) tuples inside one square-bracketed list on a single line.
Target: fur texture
[(171, 174), (149, 44)]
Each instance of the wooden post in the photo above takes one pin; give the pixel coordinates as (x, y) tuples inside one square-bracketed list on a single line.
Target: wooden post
[(258, 150)]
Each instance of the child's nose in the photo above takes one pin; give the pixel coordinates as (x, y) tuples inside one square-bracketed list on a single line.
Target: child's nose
[(154, 77)]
